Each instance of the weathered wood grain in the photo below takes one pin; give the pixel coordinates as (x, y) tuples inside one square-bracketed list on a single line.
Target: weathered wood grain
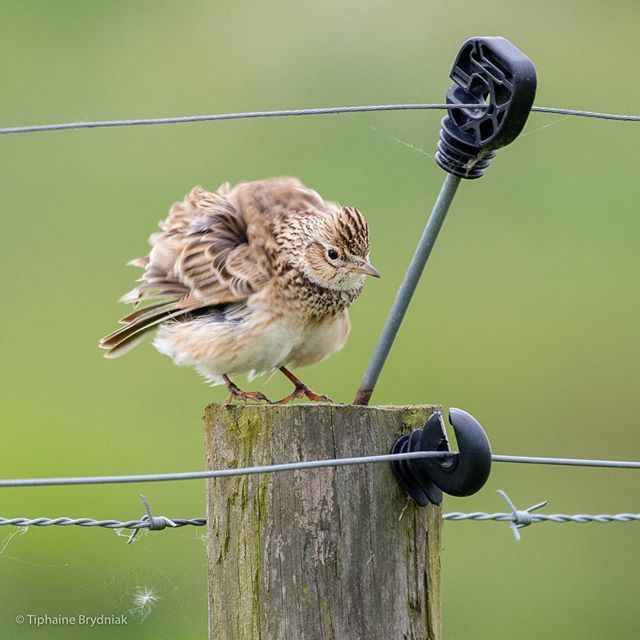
[(323, 554)]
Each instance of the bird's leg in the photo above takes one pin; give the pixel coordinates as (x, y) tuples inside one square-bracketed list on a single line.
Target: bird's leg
[(300, 390), (236, 393)]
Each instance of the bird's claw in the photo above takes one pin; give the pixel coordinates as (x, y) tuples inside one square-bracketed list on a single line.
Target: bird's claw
[(303, 390), (238, 395)]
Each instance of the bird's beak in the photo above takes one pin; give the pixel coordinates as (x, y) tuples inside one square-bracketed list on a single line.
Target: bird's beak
[(368, 269)]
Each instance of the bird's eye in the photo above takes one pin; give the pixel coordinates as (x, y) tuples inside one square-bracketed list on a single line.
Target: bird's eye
[(333, 254)]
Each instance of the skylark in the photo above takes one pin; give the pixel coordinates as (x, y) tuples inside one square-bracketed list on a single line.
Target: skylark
[(249, 279)]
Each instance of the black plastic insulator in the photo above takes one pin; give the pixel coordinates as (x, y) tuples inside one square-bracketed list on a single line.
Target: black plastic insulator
[(460, 474), (495, 75)]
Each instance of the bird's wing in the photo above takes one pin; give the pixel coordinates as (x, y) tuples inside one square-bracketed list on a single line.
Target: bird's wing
[(216, 261), (201, 258)]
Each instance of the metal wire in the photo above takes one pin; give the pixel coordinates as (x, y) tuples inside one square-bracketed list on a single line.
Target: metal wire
[(454, 516), (587, 114), (560, 518), (295, 112), (568, 462), (517, 519), (304, 464), (520, 518), (64, 521), (232, 116), (222, 473)]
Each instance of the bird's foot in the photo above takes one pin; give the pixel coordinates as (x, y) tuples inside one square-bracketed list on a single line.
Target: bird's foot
[(302, 390), (236, 394)]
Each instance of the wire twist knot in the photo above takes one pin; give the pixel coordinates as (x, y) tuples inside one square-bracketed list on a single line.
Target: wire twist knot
[(520, 517), (151, 522)]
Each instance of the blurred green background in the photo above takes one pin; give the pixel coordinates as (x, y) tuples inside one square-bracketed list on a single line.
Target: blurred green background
[(527, 316)]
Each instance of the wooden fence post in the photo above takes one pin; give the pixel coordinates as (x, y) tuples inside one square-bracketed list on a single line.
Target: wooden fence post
[(321, 554)]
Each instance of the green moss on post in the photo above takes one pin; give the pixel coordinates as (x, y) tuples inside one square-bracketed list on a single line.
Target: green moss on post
[(321, 554)]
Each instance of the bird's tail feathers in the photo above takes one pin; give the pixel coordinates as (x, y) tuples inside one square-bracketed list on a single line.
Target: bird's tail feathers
[(137, 324)]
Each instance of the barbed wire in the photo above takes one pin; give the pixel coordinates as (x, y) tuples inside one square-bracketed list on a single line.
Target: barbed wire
[(64, 521), (517, 519), (561, 518), (302, 465), (454, 516), (279, 113)]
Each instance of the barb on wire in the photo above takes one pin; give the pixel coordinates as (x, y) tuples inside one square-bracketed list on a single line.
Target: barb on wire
[(521, 518), (96, 124), (153, 523)]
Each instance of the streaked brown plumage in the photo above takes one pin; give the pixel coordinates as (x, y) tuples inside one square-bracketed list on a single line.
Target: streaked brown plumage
[(249, 279)]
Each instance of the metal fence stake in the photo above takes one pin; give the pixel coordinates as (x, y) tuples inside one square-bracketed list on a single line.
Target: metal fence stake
[(407, 288)]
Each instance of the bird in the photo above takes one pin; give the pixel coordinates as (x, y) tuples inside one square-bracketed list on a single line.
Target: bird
[(252, 279)]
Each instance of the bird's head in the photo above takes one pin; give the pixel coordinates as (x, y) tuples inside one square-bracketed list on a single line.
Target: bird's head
[(337, 256)]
